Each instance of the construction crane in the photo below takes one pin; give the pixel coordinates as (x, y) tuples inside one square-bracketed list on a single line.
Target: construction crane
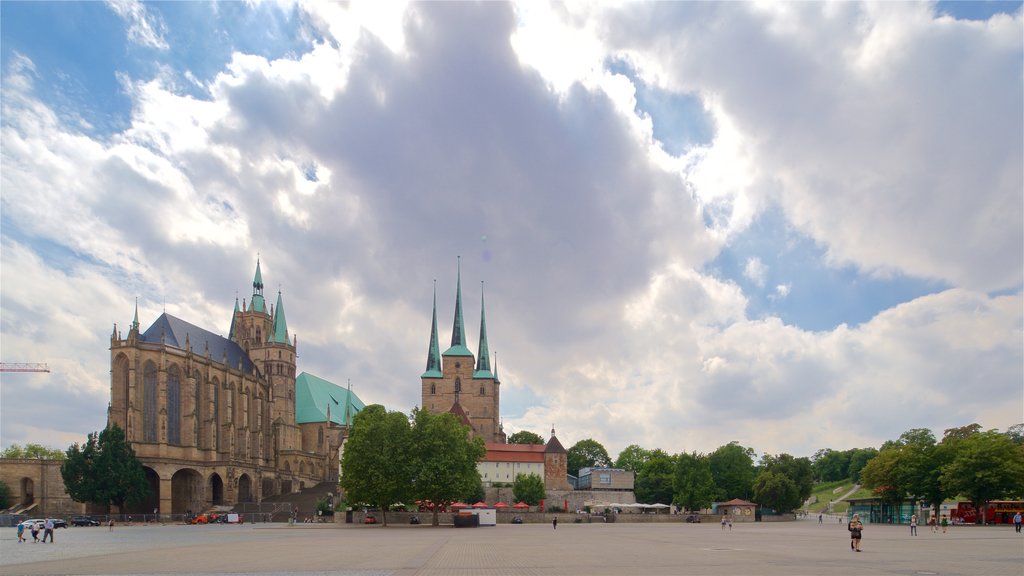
[(23, 367)]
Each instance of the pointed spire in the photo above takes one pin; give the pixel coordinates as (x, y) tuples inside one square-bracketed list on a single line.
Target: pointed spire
[(483, 361), (135, 321), (434, 352), (257, 304), (496, 367), (231, 331), (458, 347), (279, 330)]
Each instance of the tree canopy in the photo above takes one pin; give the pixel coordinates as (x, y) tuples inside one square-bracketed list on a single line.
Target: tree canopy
[(587, 453), (654, 482), (633, 458), (33, 452), (104, 470), (732, 467), (525, 437), (694, 485), (985, 466), (376, 465), (444, 458), (528, 488)]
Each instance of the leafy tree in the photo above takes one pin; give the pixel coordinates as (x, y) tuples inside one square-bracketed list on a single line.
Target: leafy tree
[(831, 465), (5, 495), (732, 467), (32, 452), (1016, 433), (587, 453), (797, 470), (525, 437), (985, 466), (444, 458), (961, 433), (633, 458), (654, 481), (776, 491), (476, 493), (859, 457), (376, 465), (694, 485), (882, 476), (528, 488), (104, 470)]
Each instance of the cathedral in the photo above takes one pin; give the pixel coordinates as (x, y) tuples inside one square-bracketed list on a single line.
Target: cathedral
[(219, 421)]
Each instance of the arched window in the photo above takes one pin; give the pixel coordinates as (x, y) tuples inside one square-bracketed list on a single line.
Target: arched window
[(482, 392), (458, 385), (433, 388), (320, 437), (149, 402), (173, 405), (215, 427)]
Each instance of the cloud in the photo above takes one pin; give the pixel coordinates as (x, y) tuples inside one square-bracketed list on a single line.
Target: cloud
[(145, 28), (755, 271)]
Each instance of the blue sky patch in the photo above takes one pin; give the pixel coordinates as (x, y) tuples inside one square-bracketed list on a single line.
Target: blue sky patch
[(976, 9)]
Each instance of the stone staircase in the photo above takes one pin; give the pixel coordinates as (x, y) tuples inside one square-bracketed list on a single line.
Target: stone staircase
[(280, 505)]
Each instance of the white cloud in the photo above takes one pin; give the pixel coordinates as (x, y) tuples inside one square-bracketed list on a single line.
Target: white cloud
[(144, 27), (755, 271)]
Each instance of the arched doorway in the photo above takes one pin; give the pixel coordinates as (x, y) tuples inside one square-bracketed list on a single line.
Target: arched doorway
[(186, 491), (28, 495), (244, 488), (152, 500), (216, 490)]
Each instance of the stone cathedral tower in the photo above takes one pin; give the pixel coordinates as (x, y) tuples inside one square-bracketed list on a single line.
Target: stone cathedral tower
[(457, 382)]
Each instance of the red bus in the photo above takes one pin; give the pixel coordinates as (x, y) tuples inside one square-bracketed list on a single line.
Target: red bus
[(998, 512)]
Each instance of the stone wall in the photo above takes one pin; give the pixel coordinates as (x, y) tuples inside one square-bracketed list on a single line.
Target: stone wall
[(39, 482)]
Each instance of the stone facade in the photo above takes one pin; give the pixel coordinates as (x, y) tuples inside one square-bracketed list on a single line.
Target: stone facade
[(38, 483)]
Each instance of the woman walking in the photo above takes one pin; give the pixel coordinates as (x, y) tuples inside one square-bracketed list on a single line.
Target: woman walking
[(913, 525), (856, 528)]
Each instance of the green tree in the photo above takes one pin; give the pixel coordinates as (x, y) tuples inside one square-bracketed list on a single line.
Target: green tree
[(831, 465), (797, 470), (1016, 433), (985, 466), (5, 495), (882, 475), (859, 457), (776, 491), (528, 488), (587, 453), (525, 437), (376, 465), (104, 470), (655, 481), (961, 433), (444, 458), (633, 458), (732, 467), (32, 452), (694, 485)]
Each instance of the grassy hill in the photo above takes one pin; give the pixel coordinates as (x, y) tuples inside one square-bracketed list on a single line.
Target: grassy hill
[(827, 491)]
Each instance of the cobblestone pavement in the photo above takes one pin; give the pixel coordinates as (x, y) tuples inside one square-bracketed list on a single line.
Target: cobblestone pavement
[(790, 548)]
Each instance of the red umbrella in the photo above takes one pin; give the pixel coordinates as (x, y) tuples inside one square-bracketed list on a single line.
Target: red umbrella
[(501, 505), (480, 505), (521, 505), (460, 505)]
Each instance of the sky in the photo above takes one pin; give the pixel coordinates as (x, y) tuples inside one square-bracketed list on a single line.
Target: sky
[(791, 225)]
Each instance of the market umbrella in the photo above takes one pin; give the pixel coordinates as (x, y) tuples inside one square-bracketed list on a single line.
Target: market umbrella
[(460, 505), (480, 505), (501, 505), (521, 505)]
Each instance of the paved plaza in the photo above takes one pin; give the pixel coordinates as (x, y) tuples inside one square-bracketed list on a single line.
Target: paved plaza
[(790, 548)]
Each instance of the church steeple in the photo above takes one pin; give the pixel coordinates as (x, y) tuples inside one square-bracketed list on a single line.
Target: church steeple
[(135, 321), (279, 330), (231, 331), (434, 352), (458, 347), (257, 304), (483, 361)]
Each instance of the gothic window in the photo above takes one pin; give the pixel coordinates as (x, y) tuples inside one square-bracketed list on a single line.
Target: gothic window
[(320, 437), (259, 335), (433, 388), (458, 385), (149, 402), (482, 393), (173, 405), (216, 414)]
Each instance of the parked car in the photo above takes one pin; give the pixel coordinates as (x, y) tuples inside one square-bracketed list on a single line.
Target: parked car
[(693, 518), (84, 521), (59, 522), (370, 519), (37, 521)]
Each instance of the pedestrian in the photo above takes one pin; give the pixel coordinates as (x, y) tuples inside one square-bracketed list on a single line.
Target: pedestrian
[(48, 530), (931, 522), (945, 522), (110, 524), (34, 528), (856, 527), (723, 521), (1016, 522), (730, 523), (913, 525), (21, 533), (820, 518), (554, 523)]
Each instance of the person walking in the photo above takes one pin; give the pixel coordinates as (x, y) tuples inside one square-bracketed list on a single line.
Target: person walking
[(913, 525), (730, 523), (820, 518), (21, 532), (554, 523), (34, 528), (945, 522), (856, 528), (1016, 522), (48, 530)]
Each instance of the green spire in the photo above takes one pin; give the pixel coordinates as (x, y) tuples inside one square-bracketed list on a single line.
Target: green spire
[(434, 352), (257, 304), (483, 362), (231, 331), (458, 347), (135, 321), (279, 331)]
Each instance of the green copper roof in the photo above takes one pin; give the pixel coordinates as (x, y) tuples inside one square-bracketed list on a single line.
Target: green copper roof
[(279, 331), (314, 395), (434, 352), (231, 331), (257, 304), (458, 347), (257, 281), (483, 362)]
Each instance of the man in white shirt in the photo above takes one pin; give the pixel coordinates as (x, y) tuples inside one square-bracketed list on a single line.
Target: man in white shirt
[(48, 530)]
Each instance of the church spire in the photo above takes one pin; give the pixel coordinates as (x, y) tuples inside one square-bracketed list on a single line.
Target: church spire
[(279, 330), (458, 347), (135, 321), (483, 361), (434, 352), (231, 331), (257, 304)]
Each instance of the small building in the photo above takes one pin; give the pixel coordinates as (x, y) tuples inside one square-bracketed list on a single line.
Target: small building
[(503, 463), (876, 511), (615, 479), (740, 510)]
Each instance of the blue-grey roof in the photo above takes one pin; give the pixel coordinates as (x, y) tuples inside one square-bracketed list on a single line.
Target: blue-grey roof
[(175, 331)]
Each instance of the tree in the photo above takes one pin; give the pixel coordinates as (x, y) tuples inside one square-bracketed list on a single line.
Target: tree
[(1016, 433), (528, 488), (797, 470), (444, 458), (633, 458), (525, 437), (654, 481), (5, 495), (831, 465), (732, 467), (694, 485), (985, 466), (376, 465), (858, 458), (32, 452), (104, 470), (961, 433), (776, 491), (587, 453)]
